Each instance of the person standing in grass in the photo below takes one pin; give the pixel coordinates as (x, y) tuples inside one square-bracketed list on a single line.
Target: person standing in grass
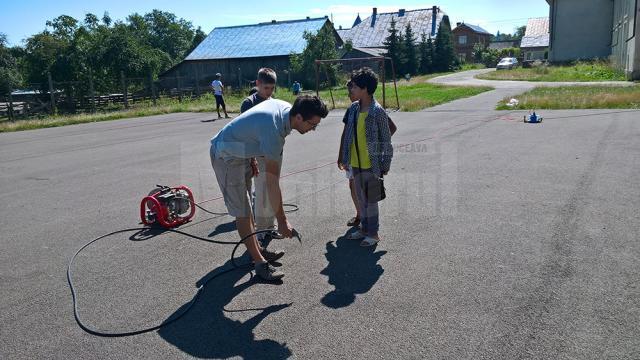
[(218, 93), (367, 130), (355, 221)]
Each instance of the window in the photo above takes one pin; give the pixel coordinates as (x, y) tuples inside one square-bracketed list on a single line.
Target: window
[(462, 39)]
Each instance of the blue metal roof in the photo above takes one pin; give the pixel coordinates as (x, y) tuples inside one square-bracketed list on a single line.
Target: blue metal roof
[(264, 39), (477, 29)]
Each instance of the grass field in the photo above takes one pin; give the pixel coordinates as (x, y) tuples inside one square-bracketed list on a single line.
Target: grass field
[(577, 97), (414, 95), (581, 71)]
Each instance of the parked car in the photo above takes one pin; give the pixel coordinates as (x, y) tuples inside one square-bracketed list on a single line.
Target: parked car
[(507, 63)]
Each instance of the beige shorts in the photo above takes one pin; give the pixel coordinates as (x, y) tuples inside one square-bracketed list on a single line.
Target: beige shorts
[(234, 178)]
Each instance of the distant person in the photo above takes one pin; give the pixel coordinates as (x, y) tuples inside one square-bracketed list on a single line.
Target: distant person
[(355, 221), (260, 133), (218, 93), (366, 148), (296, 88), (263, 212)]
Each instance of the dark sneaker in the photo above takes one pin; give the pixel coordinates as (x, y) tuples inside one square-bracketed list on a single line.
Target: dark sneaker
[(268, 272), (271, 255), (274, 235)]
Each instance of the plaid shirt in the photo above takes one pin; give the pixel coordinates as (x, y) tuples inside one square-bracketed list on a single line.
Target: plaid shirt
[(377, 133)]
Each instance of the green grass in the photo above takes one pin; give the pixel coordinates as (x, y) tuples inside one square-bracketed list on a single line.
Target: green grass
[(577, 97), (414, 95), (467, 66), (581, 71)]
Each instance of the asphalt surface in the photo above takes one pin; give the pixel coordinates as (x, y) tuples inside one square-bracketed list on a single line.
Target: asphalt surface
[(501, 240)]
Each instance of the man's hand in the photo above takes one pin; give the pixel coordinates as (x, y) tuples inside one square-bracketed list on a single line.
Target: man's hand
[(285, 228), (254, 167), (340, 164), (384, 173)]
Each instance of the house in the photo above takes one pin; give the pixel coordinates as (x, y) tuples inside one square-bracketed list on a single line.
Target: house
[(504, 44), (535, 43), (368, 35), (466, 37), (237, 52), (596, 29)]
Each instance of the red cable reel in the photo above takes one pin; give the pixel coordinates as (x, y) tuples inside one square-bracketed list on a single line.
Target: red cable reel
[(167, 206)]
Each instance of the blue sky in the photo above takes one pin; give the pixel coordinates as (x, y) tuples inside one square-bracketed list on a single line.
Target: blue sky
[(20, 19)]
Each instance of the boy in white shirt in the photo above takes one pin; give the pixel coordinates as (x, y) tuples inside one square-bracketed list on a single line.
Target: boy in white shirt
[(218, 90)]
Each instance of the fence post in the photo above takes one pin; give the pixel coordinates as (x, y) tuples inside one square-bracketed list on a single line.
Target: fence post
[(125, 96), (152, 86), (197, 80), (52, 108), (178, 86), (10, 110), (239, 78), (92, 92)]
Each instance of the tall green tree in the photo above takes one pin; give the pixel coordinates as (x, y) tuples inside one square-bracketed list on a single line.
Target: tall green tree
[(320, 46), (10, 77), (393, 47), (444, 59), (411, 59), (426, 54)]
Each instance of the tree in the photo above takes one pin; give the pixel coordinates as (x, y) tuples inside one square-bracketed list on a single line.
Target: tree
[(520, 31), (320, 46), (444, 59), (426, 54), (393, 46), (411, 60), (10, 77), (478, 49)]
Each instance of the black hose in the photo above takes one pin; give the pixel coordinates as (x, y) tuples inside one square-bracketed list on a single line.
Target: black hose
[(189, 305)]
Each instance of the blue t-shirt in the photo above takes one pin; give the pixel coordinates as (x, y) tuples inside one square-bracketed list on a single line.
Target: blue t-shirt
[(258, 132)]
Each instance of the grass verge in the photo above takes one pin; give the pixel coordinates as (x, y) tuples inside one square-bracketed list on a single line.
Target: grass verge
[(577, 97), (581, 71), (414, 95)]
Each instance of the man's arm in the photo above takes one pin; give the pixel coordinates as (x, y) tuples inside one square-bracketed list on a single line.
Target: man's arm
[(246, 105), (392, 126), (275, 196)]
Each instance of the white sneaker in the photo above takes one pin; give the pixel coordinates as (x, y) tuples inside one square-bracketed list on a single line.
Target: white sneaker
[(357, 235), (369, 241)]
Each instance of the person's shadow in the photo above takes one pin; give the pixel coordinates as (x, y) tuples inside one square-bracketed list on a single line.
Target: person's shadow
[(206, 332), (224, 228), (352, 269)]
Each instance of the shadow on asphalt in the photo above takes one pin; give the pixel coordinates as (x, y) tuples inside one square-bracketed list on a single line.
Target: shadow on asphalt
[(352, 269), (224, 228), (206, 332)]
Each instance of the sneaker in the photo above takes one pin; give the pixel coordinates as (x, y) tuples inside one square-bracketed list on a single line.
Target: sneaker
[(369, 241), (357, 235), (271, 255), (268, 272), (275, 235)]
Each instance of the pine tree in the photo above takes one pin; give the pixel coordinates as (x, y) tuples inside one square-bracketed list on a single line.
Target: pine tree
[(444, 59), (393, 47), (426, 56), (410, 54)]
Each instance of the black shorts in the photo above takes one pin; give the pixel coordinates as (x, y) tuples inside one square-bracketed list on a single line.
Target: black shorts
[(219, 100)]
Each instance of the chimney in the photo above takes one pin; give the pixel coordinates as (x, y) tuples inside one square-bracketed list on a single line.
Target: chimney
[(458, 24), (308, 18), (273, 21), (434, 20), (400, 12), (373, 17), (340, 27)]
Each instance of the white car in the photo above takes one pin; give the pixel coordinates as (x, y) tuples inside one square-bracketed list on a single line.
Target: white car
[(507, 63)]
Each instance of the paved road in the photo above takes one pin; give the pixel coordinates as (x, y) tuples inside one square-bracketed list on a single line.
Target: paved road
[(501, 240)]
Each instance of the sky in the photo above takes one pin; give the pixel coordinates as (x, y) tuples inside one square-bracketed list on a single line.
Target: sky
[(21, 19)]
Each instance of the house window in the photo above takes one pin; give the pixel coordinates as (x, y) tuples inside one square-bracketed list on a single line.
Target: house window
[(462, 39)]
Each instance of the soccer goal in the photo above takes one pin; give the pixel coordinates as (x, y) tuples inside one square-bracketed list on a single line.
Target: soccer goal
[(334, 74)]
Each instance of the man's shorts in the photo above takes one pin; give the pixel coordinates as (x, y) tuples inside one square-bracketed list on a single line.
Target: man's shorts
[(234, 178), (219, 100)]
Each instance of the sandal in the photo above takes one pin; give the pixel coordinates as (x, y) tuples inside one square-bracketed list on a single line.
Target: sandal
[(355, 221)]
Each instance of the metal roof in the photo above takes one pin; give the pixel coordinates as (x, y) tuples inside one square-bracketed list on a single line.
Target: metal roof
[(365, 35), (476, 28), (259, 40), (537, 33)]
